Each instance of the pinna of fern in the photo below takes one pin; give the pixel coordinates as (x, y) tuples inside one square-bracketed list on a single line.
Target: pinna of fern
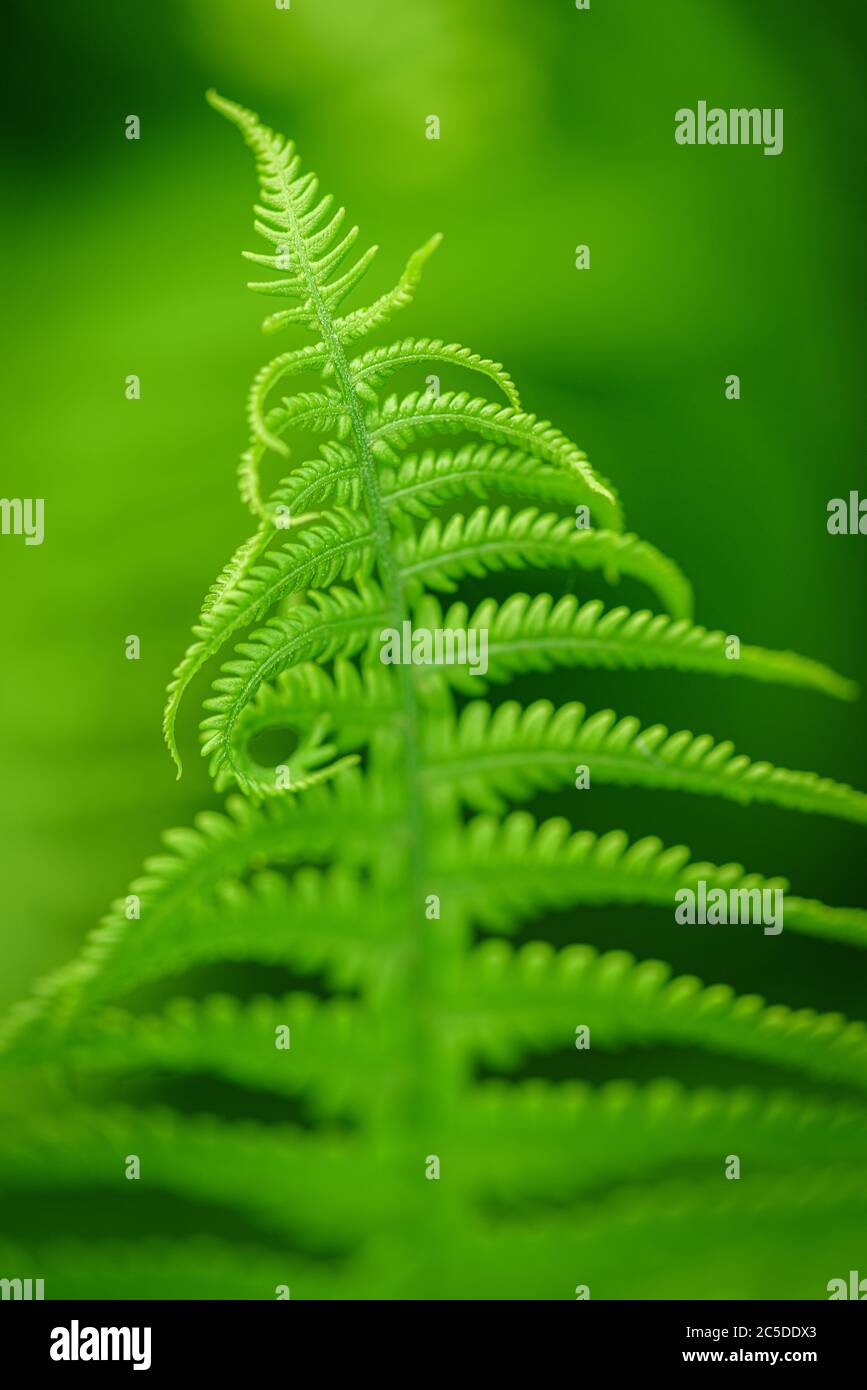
[(398, 854)]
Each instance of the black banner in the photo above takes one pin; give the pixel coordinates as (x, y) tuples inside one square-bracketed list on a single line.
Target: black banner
[(82, 1339)]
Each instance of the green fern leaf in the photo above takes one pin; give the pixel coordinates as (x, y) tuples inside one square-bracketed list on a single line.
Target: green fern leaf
[(377, 366), (362, 878), (518, 867), (400, 422), (486, 542), (532, 999), (493, 757), (322, 553), (538, 634)]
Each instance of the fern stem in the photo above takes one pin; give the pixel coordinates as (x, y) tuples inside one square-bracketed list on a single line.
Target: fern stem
[(422, 1110)]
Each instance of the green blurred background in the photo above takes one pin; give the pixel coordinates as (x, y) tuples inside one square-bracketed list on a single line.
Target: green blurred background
[(557, 129)]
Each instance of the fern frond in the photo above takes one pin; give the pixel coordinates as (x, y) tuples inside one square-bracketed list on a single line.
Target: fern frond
[(316, 411), (428, 480), (503, 870), (622, 1132), (491, 757), (378, 365), (291, 218), (327, 1052), (511, 1002), (293, 287), (285, 364), (721, 1240), (371, 886), (284, 1179), (363, 321), (401, 421), (332, 478), (485, 542), (543, 634), (324, 552), (238, 567), (349, 706), (337, 623), (321, 411), (322, 921), (125, 951)]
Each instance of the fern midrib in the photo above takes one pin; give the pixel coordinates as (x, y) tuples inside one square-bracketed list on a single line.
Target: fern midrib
[(409, 999), (667, 652), (738, 778), (447, 483)]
